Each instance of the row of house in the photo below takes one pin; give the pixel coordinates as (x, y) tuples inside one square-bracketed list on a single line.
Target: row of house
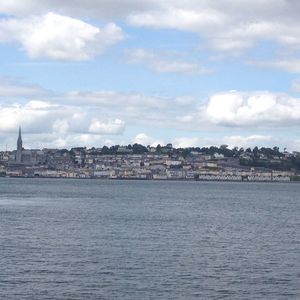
[(91, 163)]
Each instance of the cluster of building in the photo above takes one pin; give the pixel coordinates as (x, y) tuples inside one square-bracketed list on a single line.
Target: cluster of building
[(165, 164)]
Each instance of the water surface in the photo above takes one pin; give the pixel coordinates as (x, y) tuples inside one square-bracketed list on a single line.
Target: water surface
[(92, 239)]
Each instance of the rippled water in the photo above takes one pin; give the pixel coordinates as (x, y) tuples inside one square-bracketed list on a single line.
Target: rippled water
[(89, 239)]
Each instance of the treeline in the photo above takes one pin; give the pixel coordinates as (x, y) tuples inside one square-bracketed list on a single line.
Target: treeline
[(134, 149), (224, 150)]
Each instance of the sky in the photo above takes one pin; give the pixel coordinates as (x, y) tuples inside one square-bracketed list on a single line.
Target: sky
[(191, 73)]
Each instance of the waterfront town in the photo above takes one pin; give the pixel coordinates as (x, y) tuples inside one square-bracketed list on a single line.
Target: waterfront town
[(152, 163)]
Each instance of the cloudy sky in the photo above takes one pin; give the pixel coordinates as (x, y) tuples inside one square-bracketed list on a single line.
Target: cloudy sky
[(193, 73)]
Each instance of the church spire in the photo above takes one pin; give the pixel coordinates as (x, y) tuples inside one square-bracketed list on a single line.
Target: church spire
[(19, 147)]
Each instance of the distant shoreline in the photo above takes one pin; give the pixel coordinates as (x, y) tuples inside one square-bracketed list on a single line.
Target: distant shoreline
[(160, 180)]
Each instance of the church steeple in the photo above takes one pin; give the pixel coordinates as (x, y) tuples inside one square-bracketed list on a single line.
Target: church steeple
[(19, 147)]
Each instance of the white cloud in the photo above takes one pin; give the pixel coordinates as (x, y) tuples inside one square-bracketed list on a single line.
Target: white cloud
[(163, 63), (234, 108), (59, 117), (33, 115), (59, 37), (229, 26), (116, 99), (243, 109), (249, 141), (288, 65), (116, 126), (10, 87), (78, 8), (58, 140), (60, 126), (184, 142), (231, 141), (44, 117), (182, 18), (134, 108), (144, 139), (93, 112), (296, 85)]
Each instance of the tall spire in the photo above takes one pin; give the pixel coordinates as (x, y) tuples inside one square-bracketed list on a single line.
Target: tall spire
[(19, 147)]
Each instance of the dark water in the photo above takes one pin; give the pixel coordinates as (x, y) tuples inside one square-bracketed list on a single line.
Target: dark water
[(88, 239)]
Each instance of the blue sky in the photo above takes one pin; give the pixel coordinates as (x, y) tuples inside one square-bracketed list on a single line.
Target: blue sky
[(193, 73)]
